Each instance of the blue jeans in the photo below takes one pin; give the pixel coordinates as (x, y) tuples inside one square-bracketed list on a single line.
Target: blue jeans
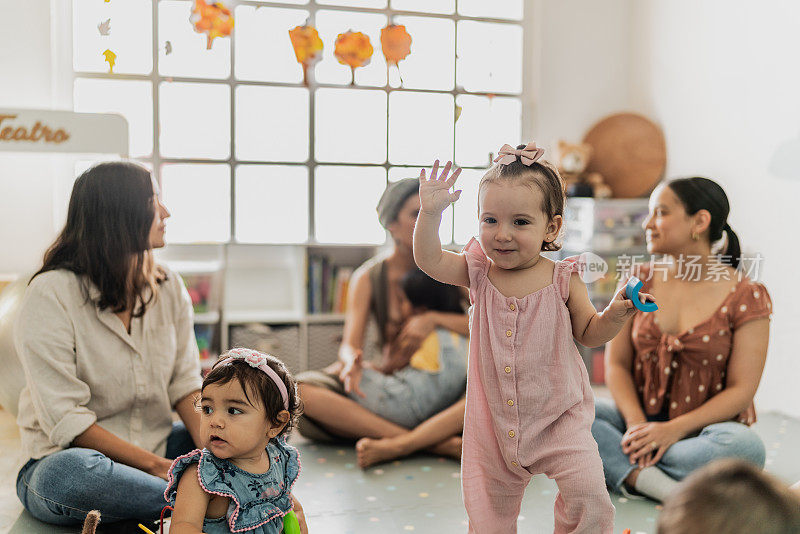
[(62, 487), (410, 396), (720, 440)]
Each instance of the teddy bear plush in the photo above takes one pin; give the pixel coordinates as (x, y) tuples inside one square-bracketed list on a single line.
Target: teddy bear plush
[(572, 161)]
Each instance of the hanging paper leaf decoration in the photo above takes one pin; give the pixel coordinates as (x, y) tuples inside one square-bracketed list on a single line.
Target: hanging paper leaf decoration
[(104, 27), (215, 20), (353, 49), (111, 58), (396, 43), (307, 47)]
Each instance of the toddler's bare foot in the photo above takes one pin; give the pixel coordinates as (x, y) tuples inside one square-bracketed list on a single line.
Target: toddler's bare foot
[(374, 451), (450, 447)]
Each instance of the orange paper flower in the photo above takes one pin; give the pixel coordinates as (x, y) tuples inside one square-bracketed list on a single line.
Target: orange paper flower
[(353, 49), (215, 20), (396, 43), (307, 47)]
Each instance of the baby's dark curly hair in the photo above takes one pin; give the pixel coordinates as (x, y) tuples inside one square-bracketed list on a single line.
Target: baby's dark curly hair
[(257, 383)]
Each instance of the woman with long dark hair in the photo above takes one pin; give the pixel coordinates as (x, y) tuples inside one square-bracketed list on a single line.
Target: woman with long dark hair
[(106, 340), (683, 377)]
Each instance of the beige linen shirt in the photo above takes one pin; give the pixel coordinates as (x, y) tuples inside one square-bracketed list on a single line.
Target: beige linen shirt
[(82, 367)]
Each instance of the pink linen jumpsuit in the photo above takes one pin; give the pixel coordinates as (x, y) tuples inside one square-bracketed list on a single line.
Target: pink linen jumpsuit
[(529, 408)]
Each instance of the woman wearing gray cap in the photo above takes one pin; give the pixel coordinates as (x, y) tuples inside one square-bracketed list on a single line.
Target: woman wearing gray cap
[(332, 397)]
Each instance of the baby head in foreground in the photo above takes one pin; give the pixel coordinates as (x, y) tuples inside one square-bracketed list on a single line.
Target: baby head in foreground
[(731, 496)]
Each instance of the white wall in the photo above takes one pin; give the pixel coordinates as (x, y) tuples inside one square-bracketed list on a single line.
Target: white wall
[(26, 182), (582, 65), (721, 78)]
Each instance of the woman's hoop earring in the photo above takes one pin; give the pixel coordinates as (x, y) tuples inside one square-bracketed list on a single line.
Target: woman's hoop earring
[(695, 237)]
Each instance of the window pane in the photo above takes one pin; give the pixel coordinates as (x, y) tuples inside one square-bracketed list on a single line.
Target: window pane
[(430, 65), (496, 9), (271, 203), (480, 47), (376, 4), (189, 56), (357, 221), (199, 199), (271, 123), (130, 36), (332, 23), (484, 126), (420, 127), (263, 49), (131, 99), (350, 125), (195, 120), (466, 209), (285, 2), (425, 6)]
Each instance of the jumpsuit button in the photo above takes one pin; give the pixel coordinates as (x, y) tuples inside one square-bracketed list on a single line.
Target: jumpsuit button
[(511, 434), (507, 369), (512, 307), (508, 333), (515, 464), (510, 402)]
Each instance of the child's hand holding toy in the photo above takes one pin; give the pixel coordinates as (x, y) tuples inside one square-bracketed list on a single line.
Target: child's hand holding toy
[(627, 301)]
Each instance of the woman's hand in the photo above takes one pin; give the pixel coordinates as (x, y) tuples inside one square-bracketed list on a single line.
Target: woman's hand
[(646, 443), (434, 193), (301, 516), (350, 375), (621, 308), (160, 468), (414, 332), (748, 417)]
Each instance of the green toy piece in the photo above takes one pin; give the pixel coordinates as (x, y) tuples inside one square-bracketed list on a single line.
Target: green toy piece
[(290, 523)]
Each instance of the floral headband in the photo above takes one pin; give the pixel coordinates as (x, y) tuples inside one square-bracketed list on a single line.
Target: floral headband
[(528, 155), (258, 360)]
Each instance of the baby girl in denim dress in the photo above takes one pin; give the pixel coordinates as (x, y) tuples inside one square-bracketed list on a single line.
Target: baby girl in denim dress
[(242, 480)]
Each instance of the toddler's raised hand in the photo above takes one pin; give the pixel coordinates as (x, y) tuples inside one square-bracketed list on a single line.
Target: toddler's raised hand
[(434, 192)]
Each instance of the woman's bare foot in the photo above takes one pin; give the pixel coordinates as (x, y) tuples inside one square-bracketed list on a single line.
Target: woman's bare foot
[(374, 451), (451, 447)]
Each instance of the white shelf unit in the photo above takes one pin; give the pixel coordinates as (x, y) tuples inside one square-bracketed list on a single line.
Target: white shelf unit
[(609, 228), (267, 285)]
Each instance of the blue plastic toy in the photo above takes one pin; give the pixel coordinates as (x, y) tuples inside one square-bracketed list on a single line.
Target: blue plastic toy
[(632, 292)]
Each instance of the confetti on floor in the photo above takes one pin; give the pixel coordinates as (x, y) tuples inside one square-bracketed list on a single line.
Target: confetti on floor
[(423, 492)]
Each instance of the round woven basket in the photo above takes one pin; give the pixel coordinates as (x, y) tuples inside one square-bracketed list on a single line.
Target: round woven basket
[(630, 152)]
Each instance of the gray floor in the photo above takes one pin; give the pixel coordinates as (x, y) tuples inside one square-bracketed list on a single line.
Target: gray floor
[(419, 494)]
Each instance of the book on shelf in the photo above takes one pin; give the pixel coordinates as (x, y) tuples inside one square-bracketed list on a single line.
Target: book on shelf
[(204, 334), (327, 285), (199, 287)]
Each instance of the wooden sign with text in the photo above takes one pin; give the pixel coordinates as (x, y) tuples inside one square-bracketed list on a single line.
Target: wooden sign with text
[(34, 130)]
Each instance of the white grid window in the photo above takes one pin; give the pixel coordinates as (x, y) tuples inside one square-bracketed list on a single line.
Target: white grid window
[(245, 153)]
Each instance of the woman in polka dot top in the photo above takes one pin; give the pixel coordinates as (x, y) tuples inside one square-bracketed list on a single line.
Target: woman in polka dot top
[(683, 378)]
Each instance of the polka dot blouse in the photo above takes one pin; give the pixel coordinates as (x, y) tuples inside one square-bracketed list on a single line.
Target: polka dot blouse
[(687, 369)]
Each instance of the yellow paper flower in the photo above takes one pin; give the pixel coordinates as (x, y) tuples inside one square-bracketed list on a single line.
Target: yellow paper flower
[(353, 49), (307, 44), (396, 43), (215, 20)]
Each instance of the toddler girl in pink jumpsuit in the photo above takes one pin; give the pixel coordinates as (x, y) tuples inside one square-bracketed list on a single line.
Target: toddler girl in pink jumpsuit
[(529, 403)]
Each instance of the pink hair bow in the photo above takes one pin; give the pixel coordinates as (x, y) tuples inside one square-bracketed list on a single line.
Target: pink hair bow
[(528, 155)]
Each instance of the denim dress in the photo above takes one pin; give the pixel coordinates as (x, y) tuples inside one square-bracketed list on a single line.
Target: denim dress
[(258, 502)]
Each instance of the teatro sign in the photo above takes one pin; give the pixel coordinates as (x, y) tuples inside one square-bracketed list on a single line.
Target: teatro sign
[(31, 130)]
